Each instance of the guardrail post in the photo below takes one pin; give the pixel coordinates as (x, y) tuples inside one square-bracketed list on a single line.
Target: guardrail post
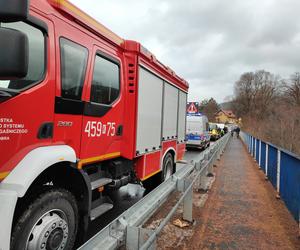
[(247, 141), (212, 151), (132, 238), (188, 202), (259, 156), (202, 180), (137, 236), (219, 150), (210, 164), (255, 145), (278, 172), (210, 168), (200, 184), (267, 160), (206, 156), (251, 150), (180, 185)]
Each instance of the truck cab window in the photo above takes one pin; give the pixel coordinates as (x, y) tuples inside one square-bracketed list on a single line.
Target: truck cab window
[(73, 68), (36, 66), (106, 81)]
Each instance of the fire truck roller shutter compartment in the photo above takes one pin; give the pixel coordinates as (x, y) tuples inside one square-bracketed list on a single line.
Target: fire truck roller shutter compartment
[(149, 118), (170, 112), (182, 116)]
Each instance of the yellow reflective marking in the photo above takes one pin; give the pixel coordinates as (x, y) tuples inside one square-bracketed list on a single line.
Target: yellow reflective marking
[(150, 175), (97, 158), (3, 175)]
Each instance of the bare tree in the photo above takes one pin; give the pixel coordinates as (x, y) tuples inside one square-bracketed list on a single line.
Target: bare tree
[(293, 89), (244, 94), (270, 107)]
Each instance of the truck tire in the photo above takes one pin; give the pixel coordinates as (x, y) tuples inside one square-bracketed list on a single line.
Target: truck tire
[(168, 167), (50, 222)]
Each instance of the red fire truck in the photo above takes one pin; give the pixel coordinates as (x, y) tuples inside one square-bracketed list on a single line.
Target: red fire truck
[(82, 112)]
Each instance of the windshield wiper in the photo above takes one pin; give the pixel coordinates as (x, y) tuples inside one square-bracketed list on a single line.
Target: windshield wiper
[(5, 94)]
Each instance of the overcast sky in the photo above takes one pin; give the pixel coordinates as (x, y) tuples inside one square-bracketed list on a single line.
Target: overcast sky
[(210, 43)]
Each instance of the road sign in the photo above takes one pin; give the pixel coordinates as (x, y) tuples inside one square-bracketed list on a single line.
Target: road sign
[(192, 107)]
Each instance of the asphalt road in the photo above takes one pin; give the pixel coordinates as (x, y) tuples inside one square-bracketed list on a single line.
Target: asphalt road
[(194, 154), (128, 195)]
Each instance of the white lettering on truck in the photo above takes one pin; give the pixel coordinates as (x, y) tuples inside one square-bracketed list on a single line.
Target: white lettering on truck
[(96, 129), (9, 127)]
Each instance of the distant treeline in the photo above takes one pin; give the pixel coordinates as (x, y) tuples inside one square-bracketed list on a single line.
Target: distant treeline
[(270, 107)]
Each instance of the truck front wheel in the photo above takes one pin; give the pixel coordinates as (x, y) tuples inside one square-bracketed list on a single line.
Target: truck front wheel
[(50, 222)]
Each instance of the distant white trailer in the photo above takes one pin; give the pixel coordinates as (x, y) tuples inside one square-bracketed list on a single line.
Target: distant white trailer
[(197, 131)]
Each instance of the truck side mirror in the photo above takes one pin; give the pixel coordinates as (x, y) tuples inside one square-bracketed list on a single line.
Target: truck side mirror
[(14, 52), (14, 10)]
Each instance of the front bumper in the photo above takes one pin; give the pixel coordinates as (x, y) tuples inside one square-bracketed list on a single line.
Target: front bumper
[(8, 201)]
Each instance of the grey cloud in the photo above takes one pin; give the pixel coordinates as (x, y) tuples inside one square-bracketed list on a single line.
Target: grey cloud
[(209, 43)]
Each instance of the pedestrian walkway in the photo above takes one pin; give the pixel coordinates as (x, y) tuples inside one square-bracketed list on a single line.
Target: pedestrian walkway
[(242, 211)]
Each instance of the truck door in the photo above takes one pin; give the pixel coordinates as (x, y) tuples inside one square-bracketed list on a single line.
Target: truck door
[(103, 114), (72, 48)]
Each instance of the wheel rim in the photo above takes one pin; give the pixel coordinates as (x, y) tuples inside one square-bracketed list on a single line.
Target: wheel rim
[(49, 232), (168, 169)]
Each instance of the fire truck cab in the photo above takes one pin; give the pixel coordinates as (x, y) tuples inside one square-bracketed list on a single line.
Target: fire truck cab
[(82, 112)]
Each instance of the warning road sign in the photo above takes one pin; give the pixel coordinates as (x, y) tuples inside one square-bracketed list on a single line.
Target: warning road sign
[(192, 107)]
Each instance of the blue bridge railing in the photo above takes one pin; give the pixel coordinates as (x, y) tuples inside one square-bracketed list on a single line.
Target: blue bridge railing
[(281, 167)]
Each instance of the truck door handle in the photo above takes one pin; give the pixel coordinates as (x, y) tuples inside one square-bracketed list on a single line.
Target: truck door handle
[(119, 130), (46, 130)]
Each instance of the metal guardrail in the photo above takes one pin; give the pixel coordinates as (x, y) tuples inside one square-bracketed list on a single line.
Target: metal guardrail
[(127, 230), (281, 168)]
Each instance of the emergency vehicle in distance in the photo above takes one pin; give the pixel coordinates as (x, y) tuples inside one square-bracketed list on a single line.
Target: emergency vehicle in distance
[(197, 131), (82, 112)]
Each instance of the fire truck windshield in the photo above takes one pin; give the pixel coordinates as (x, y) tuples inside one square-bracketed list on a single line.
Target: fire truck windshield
[(36, 66)]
